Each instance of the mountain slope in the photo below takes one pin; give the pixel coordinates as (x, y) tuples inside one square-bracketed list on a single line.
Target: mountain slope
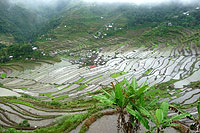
[(78, 25), (92, 25), (18, 22)]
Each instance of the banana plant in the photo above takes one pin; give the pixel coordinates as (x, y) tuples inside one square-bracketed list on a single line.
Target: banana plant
[(132, 98), (197, 121), (161, 120), (196, 125), (117, 99)]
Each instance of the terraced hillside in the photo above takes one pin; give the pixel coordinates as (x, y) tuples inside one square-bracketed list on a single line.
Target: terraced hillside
[(95, 25), (55, 87)]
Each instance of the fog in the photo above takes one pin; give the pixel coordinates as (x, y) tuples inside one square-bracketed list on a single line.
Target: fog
[(33, 2), (39, 3), (144, 1), (52, 2)]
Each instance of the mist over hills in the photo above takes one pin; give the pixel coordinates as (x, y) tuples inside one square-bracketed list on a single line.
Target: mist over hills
[(45, 21)]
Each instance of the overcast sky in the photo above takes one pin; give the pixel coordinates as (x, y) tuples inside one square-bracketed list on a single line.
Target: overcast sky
[(144, 1), (53, 2)]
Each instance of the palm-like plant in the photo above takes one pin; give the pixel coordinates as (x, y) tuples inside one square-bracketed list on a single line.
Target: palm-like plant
[(134, 100), (196, 125), (139, 102), (161, 120)]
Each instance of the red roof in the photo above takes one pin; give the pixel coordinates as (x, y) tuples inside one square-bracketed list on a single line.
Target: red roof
[(93, 66)]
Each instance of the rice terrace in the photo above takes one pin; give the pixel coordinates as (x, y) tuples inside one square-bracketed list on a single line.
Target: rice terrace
[(98, 67)]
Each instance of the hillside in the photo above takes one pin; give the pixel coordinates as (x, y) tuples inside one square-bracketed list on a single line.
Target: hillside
[(17, 22), (94, 25), (73, 66), (89, 25)]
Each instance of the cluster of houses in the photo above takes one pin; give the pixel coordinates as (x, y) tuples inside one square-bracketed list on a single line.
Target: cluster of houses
[(100, 35), (188, 12), (107, 28), (91, 59), (47, 39), (184, 13), (52, 54)]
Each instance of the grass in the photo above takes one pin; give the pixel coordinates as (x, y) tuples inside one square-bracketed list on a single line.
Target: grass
[(21, 102), (60, 97), (21, 65), (48, 95), (27, 114), (76, 82), (3, 75), (24, 88), (194, 84), (59, 85), (94, 78), (166, 85), (34, 103), (64, 124), (82, 87), (147, 72), (90, 121), (118, 74), (69, 122)]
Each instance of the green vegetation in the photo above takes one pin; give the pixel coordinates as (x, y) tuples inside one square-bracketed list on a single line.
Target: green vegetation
[(166, 85), (161, 120), (85, 27), (60, 98), (82, 87), (136, 101), (138, 23), (12, 130), (16, 52), (76, 82), (49, 94), (22, 23), (194, 85), (65, 123), (21, 102), (59, 85), (90, 121), (147, 72), (50, 27), (24, 124), (130, 99), (24, 88), (94, 78), (18, 22), (3, 75), (118, 74)]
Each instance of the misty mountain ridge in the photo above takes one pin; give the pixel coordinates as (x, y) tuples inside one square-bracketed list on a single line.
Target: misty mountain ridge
[(45, 22)]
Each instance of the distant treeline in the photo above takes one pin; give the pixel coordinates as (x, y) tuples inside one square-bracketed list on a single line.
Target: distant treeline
[(186, 16)]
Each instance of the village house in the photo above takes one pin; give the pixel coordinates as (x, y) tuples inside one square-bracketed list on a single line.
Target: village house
[(169, 24)]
